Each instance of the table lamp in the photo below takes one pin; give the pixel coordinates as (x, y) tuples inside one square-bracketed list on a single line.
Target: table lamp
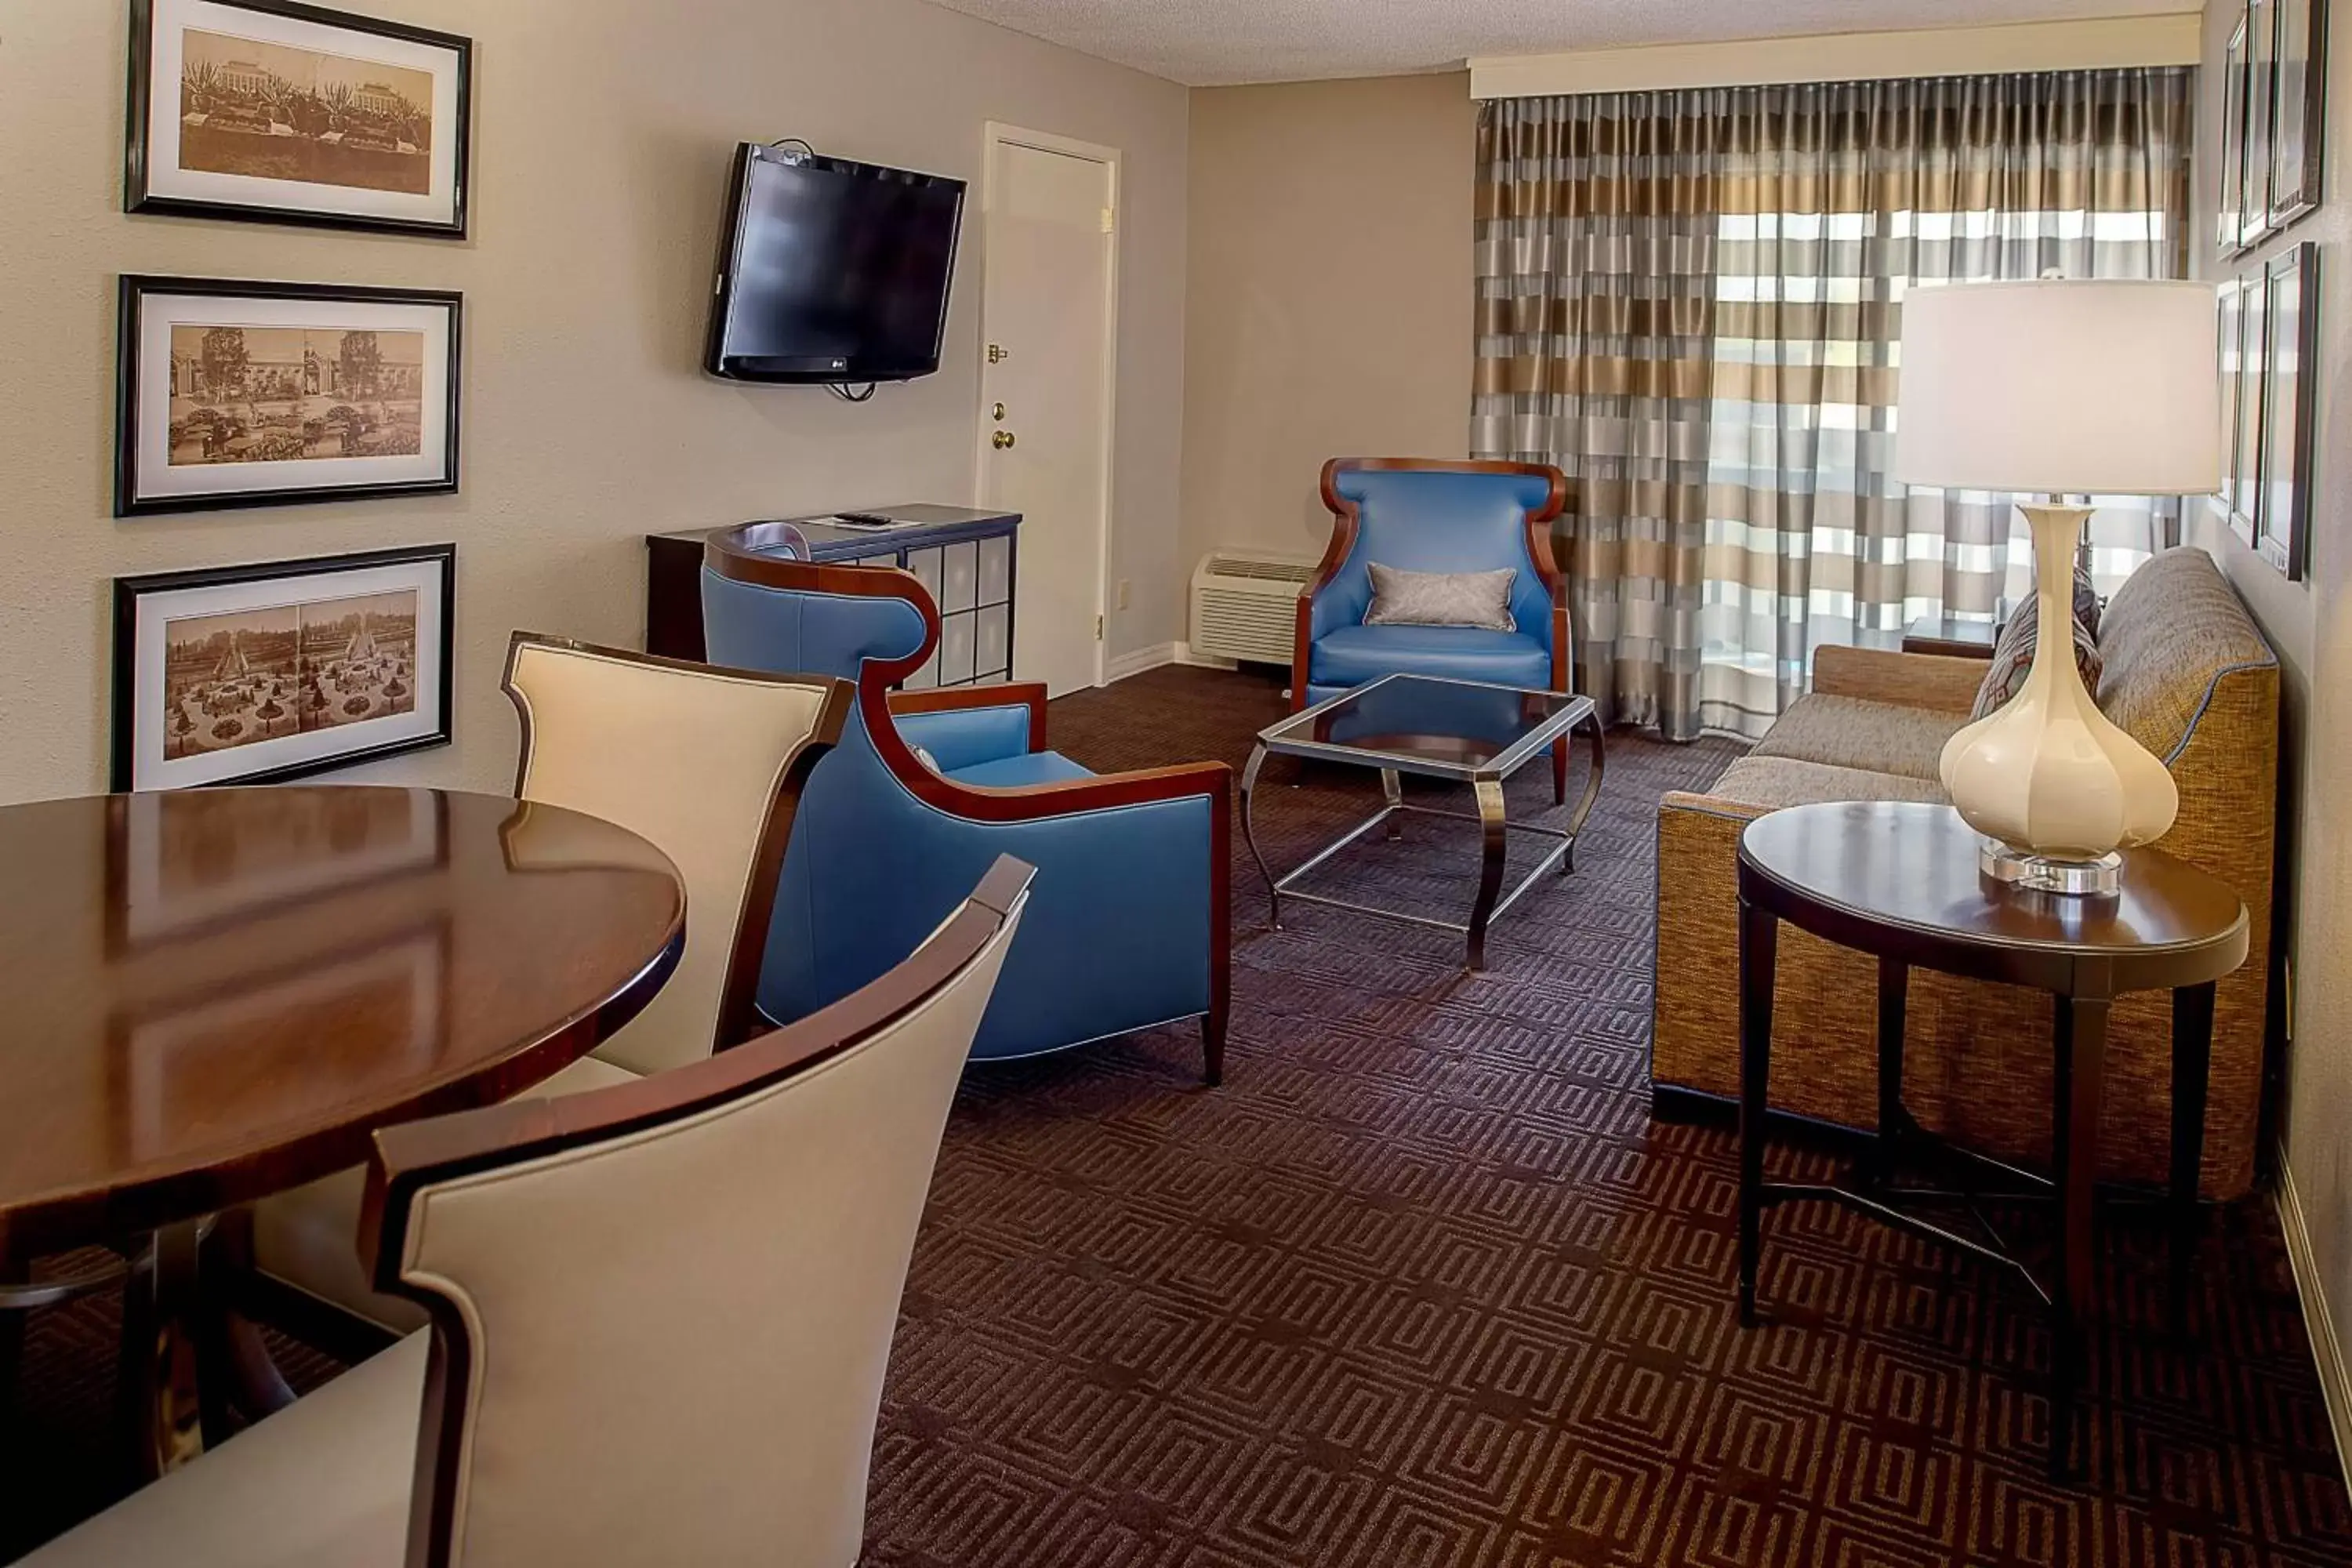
[(2059, 387)]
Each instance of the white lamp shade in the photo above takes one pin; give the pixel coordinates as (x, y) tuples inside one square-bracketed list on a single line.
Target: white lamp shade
[(2061, 386)]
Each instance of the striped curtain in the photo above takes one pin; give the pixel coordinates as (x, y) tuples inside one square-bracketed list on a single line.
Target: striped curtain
[(1691, 302)]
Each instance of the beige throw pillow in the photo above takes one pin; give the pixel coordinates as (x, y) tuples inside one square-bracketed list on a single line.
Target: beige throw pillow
[(1481, 599)]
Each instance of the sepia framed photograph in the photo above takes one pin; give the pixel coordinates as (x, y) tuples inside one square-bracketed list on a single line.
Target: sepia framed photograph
[(2290, 337), (242, 674), (237, 393), (2298, 116), (275, 112)]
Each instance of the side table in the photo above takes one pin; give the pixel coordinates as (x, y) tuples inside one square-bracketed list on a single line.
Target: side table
[(1950, 637), (1899, 880)]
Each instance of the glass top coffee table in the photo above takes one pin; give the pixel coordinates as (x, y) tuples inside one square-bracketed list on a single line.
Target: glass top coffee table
[(1463, 730)]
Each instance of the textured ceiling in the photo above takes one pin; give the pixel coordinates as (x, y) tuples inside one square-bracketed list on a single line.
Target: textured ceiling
[(1211, 42)]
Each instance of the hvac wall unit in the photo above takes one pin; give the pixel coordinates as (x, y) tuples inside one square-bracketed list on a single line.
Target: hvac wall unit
[(1245, 604)]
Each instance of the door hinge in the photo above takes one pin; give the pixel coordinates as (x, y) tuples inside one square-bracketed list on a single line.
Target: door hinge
[(1098, 629), (1110, 222)]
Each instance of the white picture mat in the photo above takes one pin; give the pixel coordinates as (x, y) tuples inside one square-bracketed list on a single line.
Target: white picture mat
[(149, 912), (149, 768), (166, 178), (154, 477)]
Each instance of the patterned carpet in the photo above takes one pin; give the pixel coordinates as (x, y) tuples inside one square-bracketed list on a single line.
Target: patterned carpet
[(1423, 1286)]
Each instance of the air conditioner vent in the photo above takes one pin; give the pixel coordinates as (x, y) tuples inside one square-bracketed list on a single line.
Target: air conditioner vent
[(1297, 572), (1245, 604)]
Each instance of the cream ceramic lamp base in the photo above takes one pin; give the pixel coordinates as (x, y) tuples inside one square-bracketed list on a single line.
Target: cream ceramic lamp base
[(2055, 788)]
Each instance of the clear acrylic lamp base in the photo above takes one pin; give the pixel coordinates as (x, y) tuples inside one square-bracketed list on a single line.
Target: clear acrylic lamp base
[(2049, 873)]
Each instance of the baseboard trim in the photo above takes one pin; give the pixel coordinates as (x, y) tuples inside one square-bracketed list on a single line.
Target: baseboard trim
[(1141, 660), (2335, 1377), (1184, 655)]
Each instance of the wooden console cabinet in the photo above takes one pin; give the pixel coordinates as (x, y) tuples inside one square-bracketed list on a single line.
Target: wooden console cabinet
[(964, 557)]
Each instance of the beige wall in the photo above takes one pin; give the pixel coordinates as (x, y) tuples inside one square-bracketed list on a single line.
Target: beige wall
[(2310, 624), (1329, 295), (603, 133)]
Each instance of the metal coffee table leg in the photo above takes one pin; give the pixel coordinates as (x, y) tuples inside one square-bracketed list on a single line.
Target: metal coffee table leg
[(1249, 832), (1590, 725), (1490, 868)]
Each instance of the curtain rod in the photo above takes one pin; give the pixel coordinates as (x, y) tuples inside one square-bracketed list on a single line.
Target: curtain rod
[(2174, 38)]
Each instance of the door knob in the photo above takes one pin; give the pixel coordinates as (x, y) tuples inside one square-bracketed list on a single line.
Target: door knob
[(1003, 439), (996, 412)]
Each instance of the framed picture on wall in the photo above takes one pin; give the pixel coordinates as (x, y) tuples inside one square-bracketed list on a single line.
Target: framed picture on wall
[(2290, 336), (241, 674), (2246, 459), (282, 112), (2262, 103), (2230, 218), (2298, 117), (234, 394), (2230, 337)]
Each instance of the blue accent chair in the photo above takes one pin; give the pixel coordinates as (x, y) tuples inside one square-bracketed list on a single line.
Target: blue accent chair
[(1129, 922), (1430, 516)]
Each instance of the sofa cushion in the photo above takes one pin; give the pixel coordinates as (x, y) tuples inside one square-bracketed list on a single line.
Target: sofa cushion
[(1851, 732), (1771, 783), (2013, 656), (1028, 768), (2087, 607), (1350, 656), (2170, 632)]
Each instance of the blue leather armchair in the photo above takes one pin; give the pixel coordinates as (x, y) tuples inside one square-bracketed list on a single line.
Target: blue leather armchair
[(1430, 516), (1130, 921)]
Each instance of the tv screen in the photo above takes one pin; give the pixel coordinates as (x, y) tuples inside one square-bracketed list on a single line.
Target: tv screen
[(832, 271)]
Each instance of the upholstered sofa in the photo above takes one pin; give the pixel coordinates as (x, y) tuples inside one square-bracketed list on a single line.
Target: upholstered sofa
[(2187, 674)]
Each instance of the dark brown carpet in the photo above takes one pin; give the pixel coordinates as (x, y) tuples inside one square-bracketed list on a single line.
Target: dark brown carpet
[(1423, 1286)]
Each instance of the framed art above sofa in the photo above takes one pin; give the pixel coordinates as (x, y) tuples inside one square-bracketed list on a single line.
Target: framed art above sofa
[(2273, 120)]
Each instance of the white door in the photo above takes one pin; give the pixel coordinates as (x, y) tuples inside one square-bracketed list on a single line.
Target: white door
[(1046, 319)]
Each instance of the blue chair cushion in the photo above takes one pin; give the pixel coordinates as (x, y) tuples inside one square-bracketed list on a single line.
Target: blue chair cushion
[(1350, 656), (1028, 768)]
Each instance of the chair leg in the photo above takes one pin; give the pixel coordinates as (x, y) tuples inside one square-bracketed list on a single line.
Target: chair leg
[(1213, 1043)]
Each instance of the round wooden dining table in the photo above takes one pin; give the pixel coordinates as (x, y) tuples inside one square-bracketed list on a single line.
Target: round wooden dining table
[(210, 995)]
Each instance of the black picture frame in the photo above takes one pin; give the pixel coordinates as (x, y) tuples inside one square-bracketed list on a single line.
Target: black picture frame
[(2298, 137), (2261, 67), (2253, 385), (135, 595), (2230, 218), (135, 494), (2230, 310), (138, 168), (2291, 339)]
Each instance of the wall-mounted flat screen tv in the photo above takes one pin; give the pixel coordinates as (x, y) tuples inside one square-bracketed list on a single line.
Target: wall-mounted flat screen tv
[(832, 271)]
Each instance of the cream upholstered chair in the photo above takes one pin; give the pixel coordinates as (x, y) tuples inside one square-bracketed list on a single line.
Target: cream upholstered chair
[(707, 764), (661, 1313)]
